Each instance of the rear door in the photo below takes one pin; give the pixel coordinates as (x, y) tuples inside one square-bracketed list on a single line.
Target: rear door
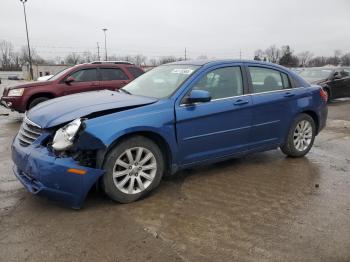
[(84, 80), (217, 128), (273, 104), (113, 78)]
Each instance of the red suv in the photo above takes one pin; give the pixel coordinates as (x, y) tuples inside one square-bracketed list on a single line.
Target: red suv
[(76, 79)]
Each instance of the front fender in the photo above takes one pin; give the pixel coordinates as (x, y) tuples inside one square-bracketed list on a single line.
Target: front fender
[(103, 132)]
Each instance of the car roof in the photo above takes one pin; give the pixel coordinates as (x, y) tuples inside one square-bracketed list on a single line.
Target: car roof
[(212, 62), (108, 64)]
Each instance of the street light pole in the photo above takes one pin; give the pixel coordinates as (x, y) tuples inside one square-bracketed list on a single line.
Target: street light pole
[(104, 31), (29, 53)]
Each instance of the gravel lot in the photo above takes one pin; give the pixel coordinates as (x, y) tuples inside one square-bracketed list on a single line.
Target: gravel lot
[(263, 207)]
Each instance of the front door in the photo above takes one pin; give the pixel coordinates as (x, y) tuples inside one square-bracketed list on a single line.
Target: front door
[(84, 80), (217, 128)]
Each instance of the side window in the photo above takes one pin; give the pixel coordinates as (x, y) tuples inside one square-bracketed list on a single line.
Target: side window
[(109, 74), (136, 72), (285, 81), (345, 72), (222, 82), (85, 75), (265, 79)]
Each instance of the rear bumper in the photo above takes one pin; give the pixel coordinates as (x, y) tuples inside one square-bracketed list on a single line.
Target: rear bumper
[(44, 174)]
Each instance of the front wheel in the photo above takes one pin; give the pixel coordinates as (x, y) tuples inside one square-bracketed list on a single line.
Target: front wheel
[(37, 101), (301, 136), (133, 168)]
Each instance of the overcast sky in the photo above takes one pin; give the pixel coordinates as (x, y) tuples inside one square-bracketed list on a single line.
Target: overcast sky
[(216, 28)]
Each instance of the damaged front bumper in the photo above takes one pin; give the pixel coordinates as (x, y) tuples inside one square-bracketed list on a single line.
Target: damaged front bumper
[(43, 173)]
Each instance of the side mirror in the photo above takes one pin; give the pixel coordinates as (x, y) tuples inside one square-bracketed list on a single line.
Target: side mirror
[(197, 96), (69, 80)]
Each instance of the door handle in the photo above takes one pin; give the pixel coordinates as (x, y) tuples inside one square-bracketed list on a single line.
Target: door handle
[(240, 102), (288, 94)]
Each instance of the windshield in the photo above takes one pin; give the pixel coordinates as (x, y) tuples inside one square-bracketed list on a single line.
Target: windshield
[(59, 74), (161, 81), (314, 74)]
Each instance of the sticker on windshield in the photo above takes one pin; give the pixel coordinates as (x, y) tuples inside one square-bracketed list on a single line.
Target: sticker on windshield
[(187, 71)]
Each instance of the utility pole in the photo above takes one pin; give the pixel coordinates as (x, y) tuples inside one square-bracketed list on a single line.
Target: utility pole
[(104, 31), (29, 53), (185, 54), (240, 54), (98, 52)]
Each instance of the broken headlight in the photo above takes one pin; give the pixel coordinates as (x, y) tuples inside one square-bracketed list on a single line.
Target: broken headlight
[(64, 136)]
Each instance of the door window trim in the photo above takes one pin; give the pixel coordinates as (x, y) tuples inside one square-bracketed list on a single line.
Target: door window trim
[(250, 82)]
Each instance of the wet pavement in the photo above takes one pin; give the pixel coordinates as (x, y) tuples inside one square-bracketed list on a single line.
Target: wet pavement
[(262, 207)]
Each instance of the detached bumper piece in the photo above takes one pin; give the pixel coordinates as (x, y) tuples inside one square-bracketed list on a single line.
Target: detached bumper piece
[(59, 179)]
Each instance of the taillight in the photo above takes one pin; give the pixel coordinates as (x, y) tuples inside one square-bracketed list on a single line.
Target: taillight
[(323, 95)]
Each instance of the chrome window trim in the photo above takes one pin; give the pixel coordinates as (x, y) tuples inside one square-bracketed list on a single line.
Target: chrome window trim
[(280, 90), (250, 94)]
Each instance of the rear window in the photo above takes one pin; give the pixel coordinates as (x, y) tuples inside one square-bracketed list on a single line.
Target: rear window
[(267, 80), (135, 72)]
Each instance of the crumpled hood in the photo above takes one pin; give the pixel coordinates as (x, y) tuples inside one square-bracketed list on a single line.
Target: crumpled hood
[(67, 108)]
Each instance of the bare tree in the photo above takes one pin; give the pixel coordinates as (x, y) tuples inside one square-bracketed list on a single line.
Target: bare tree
[(168, 59), (139, 59), (36, 59), (153, 62), (16, 60), (258, 55), (72, 59), (345, 60), (273, 54), (318, 61), (304, 58), (87, 57), (6, 52)]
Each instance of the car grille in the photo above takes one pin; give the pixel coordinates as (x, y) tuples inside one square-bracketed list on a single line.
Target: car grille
[(29, 132)]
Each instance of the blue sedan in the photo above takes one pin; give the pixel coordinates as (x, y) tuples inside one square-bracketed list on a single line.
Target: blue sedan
[(176, 116)]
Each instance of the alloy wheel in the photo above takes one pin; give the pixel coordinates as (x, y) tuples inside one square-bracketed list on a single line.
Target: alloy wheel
[(302, 136), (134, 170)]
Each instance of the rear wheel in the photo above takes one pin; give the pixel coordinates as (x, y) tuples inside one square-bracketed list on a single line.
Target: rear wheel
[(133, 168), (36, 101), (301, 136)]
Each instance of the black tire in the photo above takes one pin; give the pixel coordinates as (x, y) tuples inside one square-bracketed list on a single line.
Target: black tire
[(289, 148), (37, 101), (108, 182)]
